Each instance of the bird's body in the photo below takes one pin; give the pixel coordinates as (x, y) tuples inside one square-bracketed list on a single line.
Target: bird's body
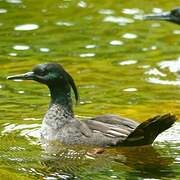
[(59, 123), (172, 16)]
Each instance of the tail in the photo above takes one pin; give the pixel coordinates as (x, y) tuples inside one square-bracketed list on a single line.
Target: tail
[(147, 131)]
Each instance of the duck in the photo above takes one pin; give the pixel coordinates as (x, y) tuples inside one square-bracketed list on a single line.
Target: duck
[(171, 16), (60, 125)]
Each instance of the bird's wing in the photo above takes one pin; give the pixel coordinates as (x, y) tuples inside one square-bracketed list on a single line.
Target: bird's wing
[(111, 125)]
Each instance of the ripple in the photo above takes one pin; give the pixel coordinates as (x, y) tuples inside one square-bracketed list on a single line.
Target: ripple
[(21, 47), (106, 11), (130, 89), (44, 49), (87, 55), (155, 72), (26, 27), (163, 82), (129, 36), (128, 62), (116, 43), (63, 23), (3, 11), (118, 20), (172, 65), (14, 1), (132, 11)]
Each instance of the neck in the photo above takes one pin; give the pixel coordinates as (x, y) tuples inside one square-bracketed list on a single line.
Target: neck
[(61, 97)]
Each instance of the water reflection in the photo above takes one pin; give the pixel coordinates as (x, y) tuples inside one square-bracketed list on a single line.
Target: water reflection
[(77, 161), (172, 65), (90, 46), (118, 20), (106, 11), (163, 82), (14, 1), (3, 10), (87, 55), (155, 72), (44, 49), (157, 10), (130, 89), (82, 4), (12, 54), (26, 27), (127, 62), (176, 32), (64, 23), (21, 47), (151, 48), (129, 36), (116, 43), (132, 11)]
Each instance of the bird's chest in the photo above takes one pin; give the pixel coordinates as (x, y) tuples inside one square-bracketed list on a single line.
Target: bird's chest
[(54, 121)]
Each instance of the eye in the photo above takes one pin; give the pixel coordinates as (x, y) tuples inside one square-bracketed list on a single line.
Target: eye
[(40, 72)]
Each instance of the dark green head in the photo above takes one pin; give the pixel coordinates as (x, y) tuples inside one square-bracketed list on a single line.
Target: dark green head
[(172, 16), (51, 74)]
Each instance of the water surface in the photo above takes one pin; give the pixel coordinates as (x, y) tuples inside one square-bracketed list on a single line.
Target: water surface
[(121, 65)]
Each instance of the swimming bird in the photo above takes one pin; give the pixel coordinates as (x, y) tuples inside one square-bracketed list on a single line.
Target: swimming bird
[(60, 124), (172, 16)]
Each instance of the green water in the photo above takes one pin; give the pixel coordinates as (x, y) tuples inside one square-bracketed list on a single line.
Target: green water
[(120, 64)]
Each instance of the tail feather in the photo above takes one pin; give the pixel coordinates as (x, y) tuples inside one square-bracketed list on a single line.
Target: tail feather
[(147, 131)]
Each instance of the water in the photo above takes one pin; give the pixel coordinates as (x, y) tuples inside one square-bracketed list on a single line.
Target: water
[(121, 65)]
